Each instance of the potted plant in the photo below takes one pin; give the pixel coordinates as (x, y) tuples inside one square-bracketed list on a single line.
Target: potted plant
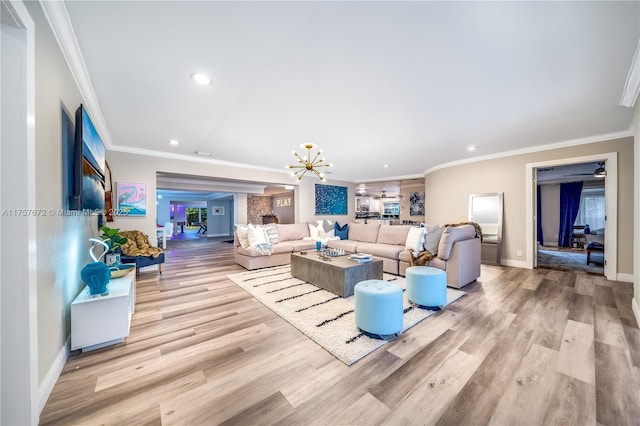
[(114, 240)]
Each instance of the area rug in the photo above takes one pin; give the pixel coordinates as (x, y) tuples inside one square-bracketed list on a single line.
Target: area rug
[(324, 317)]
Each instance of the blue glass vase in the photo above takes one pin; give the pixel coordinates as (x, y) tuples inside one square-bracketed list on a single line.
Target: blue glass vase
[(96, 275)]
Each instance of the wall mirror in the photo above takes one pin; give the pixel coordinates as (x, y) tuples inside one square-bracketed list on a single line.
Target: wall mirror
[(486, 211)]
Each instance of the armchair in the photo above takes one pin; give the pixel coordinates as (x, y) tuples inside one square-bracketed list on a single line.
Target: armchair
[(138, 250)]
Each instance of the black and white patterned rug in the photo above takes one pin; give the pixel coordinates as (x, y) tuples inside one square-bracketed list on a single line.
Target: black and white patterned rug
[(324, 317)]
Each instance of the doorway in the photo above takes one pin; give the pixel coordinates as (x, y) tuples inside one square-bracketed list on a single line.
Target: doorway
[(570, 217), (609, 232)]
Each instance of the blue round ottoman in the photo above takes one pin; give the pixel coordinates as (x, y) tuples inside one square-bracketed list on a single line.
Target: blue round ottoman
[(378, 308), (426, 287)]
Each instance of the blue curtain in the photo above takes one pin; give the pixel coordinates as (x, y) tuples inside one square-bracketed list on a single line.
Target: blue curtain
[(539, 216), (569, 205)]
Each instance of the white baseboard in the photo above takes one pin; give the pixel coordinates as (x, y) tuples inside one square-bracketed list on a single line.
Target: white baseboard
[(514, 263), (635, 307), (625, 278), (52, 375)]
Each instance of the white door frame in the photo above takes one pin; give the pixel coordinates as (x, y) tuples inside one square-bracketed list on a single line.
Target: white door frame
[(19, 354), (611, 193)]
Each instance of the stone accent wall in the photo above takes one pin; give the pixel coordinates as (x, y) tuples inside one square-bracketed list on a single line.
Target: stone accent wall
[(257, 206)]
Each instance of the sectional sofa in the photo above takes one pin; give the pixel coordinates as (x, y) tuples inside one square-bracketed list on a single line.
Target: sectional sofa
[(458, 249)]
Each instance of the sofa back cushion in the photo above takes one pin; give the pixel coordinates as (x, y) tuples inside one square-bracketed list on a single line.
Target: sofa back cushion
[(292, 231), (452, 234), (393, 234), (364, 233)]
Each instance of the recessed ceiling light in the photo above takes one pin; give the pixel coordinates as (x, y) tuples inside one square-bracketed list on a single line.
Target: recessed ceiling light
[(205, 154), (200, 78), (174, 142), (288, 187), (471, 148), (385, 166)]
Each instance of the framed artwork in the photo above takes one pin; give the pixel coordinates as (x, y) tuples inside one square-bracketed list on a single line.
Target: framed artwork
[(217, 211), (331, 199), (416, 204), (131, 198)]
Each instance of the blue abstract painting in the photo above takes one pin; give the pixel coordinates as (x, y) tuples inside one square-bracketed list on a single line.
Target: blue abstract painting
[(331, 199)]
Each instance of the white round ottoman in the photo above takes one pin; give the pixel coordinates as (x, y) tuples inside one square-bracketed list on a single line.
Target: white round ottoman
[(378, 309), (426, 287)]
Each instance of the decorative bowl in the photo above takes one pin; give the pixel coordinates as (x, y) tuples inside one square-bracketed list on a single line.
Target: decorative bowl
[(121, 270)]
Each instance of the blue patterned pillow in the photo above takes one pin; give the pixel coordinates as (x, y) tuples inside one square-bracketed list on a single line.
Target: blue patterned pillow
[(341, 231)]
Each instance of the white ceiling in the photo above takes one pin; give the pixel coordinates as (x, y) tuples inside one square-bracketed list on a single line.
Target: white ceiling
[(409, 84)]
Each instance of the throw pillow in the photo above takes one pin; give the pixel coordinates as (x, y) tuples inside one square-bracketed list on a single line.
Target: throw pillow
[(243, 238), (341, 232), (415, 240), (327, 225), (271, 233), (315, 231), (432, 238), (255, 234)]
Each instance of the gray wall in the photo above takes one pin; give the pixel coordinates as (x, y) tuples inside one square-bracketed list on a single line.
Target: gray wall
[(62, 241), (447, 193), (550, 203)]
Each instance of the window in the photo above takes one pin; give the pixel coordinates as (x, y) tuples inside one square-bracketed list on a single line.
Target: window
[(592, 209)]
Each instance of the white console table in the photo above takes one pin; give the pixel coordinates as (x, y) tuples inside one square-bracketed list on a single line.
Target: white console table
[(103, 320)]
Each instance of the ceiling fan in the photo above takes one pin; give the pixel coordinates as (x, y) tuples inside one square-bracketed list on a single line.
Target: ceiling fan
[(599, 172), (385, 196)]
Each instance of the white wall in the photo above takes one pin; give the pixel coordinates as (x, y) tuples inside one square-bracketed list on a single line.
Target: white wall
[(142, 169), (304, 200), (17, 371)]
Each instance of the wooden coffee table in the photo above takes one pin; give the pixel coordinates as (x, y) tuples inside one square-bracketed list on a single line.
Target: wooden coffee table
[(339, 276)]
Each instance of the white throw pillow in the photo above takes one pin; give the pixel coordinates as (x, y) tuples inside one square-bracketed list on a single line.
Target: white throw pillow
[(243, 238), (314, 231), (415, 240), (318, 231), (255, 234)]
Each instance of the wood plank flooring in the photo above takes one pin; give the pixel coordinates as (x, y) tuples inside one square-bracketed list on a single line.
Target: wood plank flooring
[(522, 347)]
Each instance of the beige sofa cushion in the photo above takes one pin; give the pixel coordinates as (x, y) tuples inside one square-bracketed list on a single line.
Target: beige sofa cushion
[(388, 251), (292, 231), (364, 233), (452, 234), (393, 234)]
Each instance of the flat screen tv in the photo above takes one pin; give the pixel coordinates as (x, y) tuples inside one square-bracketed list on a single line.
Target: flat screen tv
[(88, 166)]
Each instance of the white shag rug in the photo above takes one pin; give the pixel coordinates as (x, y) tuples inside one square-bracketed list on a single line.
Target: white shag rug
[(326, 318)]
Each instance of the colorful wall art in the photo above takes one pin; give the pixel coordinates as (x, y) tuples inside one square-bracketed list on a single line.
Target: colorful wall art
[(331, 199), (132, 199), (416, 204)]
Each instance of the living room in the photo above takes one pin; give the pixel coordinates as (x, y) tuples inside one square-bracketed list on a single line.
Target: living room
[(31, 249)]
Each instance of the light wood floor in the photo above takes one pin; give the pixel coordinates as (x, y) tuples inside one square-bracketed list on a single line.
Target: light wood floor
[(523, 346)]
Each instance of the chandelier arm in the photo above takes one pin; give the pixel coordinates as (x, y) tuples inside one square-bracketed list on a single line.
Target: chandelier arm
[(315, 158)]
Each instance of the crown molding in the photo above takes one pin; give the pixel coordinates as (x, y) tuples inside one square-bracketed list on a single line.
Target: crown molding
[(632, 85), (62, 28), (183, 157), (539, 148)]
